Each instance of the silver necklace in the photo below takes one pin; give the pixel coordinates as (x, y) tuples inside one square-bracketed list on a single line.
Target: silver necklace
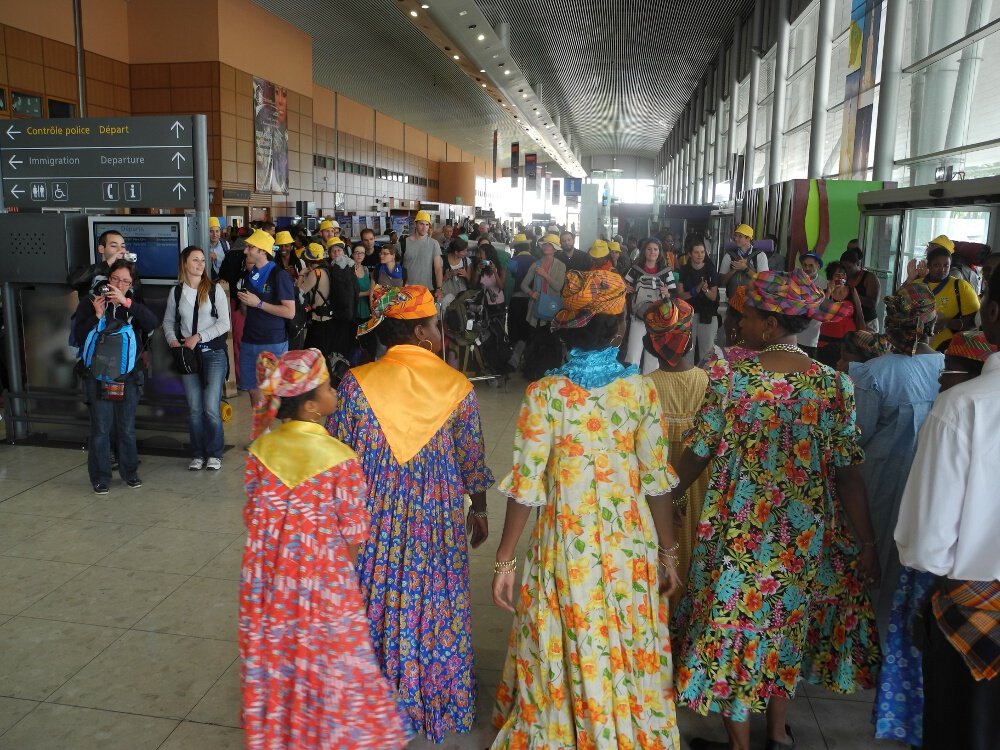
[(789, 348)]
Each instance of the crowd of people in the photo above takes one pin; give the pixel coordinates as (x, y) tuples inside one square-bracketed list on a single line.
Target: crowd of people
[(714, 524)]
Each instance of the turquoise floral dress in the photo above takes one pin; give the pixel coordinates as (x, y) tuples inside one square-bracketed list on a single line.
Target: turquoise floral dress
[(775, 441)]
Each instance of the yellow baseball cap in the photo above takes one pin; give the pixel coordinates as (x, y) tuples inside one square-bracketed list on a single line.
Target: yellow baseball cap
[(213, 222), (327, 224), (334, 241), (550, 239), (745, 229), (422, 216), (262, 241), (284, 237), (314, 252), (943, 241), (599, 249)]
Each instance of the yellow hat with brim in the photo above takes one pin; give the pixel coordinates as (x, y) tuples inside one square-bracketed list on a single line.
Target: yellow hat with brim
[(745, 229), (599, 249), (520, 239), (550, 239), (422, 216), (943, 241), (284, 237), (262, 241), (213, 222), (615, 247), (334, 241), (326, 224), (314, 252)]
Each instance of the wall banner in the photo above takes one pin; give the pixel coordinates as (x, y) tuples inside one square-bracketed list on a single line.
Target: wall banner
[(270, 132)]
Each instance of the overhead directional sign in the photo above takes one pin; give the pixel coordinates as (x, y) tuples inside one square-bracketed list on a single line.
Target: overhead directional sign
[(122, 162)]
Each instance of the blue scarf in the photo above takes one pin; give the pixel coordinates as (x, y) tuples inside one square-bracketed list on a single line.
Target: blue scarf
[(594, 369), (259, 276)]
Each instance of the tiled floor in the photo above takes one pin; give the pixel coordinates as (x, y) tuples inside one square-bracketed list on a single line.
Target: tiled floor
[(118, 613)]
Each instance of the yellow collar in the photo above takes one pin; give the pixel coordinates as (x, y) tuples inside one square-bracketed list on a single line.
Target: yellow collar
[(296, 451), (412, 392)]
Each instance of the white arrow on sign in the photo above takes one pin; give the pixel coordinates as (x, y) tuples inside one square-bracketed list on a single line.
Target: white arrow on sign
[(15, 192), (14, 163), (177, 128), (11, 132), (178, 188), (178, 157)]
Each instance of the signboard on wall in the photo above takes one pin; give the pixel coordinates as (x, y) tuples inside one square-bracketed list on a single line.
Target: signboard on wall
[(573, 186), (270, 134), (515, 163), (531, 172), (122, 162), (556, 185)]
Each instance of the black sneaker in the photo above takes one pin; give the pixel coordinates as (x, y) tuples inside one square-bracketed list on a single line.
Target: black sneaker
[(101, 489), (135, 483)]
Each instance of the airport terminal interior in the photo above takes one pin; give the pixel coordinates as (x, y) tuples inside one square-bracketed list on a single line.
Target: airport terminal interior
[(801, 129)]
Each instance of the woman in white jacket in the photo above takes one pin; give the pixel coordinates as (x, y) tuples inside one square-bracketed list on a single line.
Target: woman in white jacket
[(197, 317)]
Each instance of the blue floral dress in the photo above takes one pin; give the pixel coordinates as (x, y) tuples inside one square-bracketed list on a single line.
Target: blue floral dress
[(774, 440), (414, 568)]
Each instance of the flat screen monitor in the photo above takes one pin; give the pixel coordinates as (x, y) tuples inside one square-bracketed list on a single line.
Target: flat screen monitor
[(156, 240)]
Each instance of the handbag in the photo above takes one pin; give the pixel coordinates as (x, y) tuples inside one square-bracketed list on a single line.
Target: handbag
[(186, 361), (547, 305)]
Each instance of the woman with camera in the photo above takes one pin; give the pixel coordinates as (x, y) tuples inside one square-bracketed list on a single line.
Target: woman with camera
[(111, 396), (195, 324)]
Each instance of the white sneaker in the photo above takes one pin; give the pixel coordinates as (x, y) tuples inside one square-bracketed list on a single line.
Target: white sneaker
[(196, 464), (214, 464)]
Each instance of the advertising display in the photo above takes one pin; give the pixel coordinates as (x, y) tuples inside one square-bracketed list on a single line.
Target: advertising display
[(531, 172), (515, 163), (270, 134), (157, 242), (556, 187)]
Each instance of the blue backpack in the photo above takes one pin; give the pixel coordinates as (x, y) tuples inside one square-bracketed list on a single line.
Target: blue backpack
[(110, 351)]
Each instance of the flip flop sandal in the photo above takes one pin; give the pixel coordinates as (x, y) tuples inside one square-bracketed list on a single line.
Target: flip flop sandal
[(775, 745)]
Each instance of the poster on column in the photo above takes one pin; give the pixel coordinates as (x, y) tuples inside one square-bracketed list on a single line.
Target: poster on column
[(859, 88), (270, 135), (515, 163), (556, 189), (531, 172)]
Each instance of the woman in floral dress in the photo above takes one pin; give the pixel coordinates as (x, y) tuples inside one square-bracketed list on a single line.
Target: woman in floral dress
[(588, 664), (309, 677), (414, 422), (777, 429)]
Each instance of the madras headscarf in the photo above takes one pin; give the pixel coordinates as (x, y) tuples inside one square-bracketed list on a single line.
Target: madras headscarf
[(970, 345), (589, 293), (909, 314), (294, 373), (411, 302), (738, 301), (866, 344), (669, 328), (792, 294)]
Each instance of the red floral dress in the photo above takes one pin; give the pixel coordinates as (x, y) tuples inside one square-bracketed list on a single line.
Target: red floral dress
[(309, 675)]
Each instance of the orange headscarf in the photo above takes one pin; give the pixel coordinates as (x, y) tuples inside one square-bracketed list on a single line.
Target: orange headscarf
[(411, 302), (294, 373), (590, 293)]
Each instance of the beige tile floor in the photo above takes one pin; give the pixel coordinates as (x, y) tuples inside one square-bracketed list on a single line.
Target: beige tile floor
[(118, 613)]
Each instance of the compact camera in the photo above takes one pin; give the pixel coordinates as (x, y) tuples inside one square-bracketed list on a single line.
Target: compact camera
[(130, 257)]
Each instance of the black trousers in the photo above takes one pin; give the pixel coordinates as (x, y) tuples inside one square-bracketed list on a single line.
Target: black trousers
[(959, 712)]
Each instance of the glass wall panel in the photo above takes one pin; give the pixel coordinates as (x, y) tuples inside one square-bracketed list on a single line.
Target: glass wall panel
[(802, 42), (799, 95), (795, 160)]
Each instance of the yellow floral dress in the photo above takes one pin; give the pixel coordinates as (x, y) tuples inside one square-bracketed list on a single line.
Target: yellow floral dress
[(589, 663), (681, 394)]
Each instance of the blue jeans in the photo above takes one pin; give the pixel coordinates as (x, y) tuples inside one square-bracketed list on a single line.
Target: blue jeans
[(118, 416), (204, 396)]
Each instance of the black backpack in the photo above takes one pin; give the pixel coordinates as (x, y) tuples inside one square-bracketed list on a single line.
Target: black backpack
[(343, 294), (740, 278)]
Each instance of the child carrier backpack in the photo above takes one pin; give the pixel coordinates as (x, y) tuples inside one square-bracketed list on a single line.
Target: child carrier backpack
[(111, 350)]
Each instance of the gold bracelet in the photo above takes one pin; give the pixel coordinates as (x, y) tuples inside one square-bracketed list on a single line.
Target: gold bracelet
[(668, 551), (479, 513), (669, 561), (507, 566)]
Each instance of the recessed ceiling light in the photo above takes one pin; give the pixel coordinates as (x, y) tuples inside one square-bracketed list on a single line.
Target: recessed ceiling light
[(506, 72), (481, 37), (482, 70), (524, 96), (413, 13), (483, 85), (463, 12), (454, 57), (425, 6), (503, 104)]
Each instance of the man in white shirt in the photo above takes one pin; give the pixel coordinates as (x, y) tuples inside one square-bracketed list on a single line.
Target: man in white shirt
[(422, 259), (737, 265), (949, 525), (217, 247)]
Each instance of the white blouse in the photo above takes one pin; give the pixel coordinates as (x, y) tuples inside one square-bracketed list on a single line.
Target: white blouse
[(210, 328)]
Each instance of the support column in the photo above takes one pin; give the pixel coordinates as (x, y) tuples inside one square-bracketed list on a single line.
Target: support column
[(700, 147), (821, 89), (968, 71), (717, 152), (776, 150), (734, 100), (750, 155)]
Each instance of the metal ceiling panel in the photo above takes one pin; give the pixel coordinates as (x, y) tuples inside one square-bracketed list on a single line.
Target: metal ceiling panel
[(615, 75)]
